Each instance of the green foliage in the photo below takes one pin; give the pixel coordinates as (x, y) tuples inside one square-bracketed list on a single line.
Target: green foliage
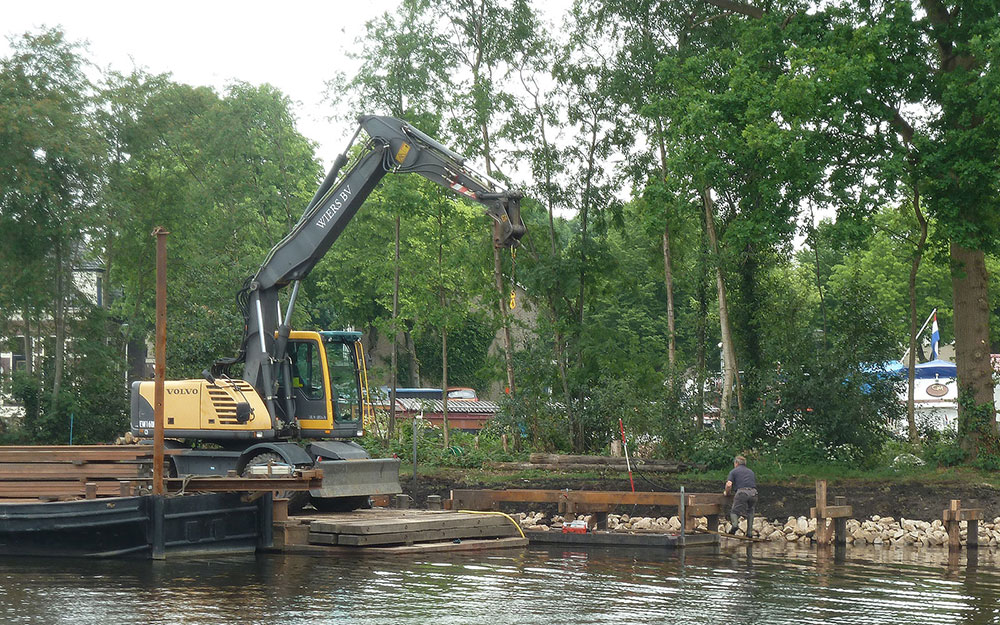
[(780, 113), (465, 449), (468, 360), (943, 449)]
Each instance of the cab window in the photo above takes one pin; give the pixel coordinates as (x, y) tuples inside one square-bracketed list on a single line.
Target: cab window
[(307, 369), (343, 381)]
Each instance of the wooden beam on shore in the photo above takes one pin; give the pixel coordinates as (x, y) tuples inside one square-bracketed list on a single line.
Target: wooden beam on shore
[(487, 499), (839, 513), (952, 516)]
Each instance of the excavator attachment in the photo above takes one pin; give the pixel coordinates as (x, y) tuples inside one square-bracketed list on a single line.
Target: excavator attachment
[(358, 478)]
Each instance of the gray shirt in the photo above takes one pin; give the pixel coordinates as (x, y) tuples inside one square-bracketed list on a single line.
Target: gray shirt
[(742, 477)]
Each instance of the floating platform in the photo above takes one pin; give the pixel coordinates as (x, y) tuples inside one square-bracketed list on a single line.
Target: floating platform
[(381, 530), (146, 526)]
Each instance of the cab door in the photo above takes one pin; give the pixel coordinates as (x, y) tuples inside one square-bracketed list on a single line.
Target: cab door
[(310, 388), (345, 388)]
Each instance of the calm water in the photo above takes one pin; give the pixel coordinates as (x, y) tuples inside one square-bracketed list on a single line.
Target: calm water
[(538, 585)]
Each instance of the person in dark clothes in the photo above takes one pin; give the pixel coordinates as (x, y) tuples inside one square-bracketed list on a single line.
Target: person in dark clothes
[(743, 483)]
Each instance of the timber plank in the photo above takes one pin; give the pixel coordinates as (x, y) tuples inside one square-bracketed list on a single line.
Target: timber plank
[(461, 497), (437, 521), (429, 535), (43, 470), (833, 512), (525, 466), (19, 490), (563, 459)]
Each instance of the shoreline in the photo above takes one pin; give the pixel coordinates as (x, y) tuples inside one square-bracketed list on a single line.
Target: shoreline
[(887, 532)]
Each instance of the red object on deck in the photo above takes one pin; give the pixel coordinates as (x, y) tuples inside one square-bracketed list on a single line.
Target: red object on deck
[(574, 527)]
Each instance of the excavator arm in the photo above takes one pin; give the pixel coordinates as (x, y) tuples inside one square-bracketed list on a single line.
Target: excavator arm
[(393, 146)]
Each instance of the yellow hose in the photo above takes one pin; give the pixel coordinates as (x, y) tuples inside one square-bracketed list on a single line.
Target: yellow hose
[(506, 516)]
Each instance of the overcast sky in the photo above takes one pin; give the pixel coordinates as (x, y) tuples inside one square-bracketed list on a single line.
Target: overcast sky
[(295, 45), (292, 44)]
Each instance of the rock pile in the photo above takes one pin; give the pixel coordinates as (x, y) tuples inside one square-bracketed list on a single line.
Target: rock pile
[(878, 530)]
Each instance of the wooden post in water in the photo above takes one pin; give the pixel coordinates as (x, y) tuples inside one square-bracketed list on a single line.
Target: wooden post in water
[(822, 537), (839, 512), (161, 356), (954, 536), (840, 524)]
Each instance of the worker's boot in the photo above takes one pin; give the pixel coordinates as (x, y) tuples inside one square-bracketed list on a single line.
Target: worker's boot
[(734, 519)]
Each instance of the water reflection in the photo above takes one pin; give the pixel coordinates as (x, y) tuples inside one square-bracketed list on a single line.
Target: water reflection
[(759, 583)]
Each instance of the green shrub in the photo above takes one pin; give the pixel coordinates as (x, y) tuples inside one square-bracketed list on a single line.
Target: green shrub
[(987, 462), (943, 450)]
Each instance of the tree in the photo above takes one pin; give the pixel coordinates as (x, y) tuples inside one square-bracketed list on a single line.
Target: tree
[(48, 178)]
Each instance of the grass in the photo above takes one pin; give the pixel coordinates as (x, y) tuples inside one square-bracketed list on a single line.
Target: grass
[(774, 473), (806, 475)]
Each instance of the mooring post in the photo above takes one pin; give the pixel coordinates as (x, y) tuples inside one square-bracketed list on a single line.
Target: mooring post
[(713, 522), (161, 356), (415, 419), (972, 534), (683, 514), (158, 540), (954, 536), (840, 524), (822, 537)]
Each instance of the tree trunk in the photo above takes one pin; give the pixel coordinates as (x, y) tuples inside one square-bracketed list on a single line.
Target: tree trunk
[(702, 327), (28, 359), (442, 302), (972, 346), (411, 351), (60, 323), (444, 384), (668, 279), (668, 273), (508, 348), (508, 345), (394, 358), (730, 373), (911, 422)]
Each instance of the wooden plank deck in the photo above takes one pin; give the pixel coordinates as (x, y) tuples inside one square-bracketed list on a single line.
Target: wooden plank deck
[(393, 531)]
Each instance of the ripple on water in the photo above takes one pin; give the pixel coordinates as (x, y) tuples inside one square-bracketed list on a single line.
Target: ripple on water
[(537, 585)]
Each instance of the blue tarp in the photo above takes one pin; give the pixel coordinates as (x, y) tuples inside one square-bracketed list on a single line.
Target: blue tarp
[(935, 368), (924, 370)]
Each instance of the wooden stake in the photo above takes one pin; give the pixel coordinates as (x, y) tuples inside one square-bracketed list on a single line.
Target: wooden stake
[(840, 524), (822, 537), (954, 537)]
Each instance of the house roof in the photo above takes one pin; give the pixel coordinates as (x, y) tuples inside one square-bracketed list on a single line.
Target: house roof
[(454, 406)]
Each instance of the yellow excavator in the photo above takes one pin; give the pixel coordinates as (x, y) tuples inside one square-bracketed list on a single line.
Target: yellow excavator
[(302, 396)]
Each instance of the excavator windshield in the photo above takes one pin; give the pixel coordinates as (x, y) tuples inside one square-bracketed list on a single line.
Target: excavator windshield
[(346, 380)]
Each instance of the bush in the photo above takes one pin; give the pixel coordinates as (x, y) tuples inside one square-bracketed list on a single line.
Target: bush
[(942, 449), (713, 450)]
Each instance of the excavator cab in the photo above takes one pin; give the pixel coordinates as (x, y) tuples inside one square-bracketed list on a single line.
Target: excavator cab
[(328, 384)]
